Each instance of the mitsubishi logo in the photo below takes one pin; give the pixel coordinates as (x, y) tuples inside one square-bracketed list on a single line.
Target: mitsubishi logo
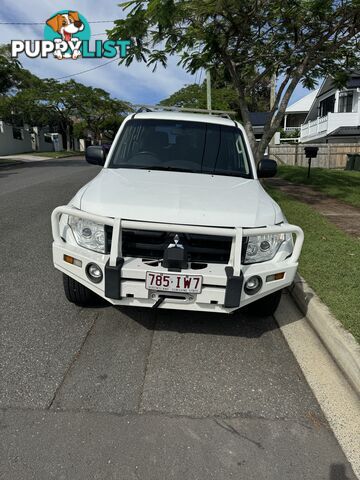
[(176, 243)]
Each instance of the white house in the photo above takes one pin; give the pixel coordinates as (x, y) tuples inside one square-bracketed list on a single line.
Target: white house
[(334, 116), (296, 113), (14, 140)]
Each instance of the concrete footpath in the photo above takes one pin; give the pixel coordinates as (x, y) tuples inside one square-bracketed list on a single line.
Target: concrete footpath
[(22, 158), (329, 358)]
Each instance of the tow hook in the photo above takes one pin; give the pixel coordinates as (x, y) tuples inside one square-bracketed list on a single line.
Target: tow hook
[(159, 301)]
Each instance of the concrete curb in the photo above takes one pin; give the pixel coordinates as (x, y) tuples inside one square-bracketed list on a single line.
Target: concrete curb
[(341, 345)]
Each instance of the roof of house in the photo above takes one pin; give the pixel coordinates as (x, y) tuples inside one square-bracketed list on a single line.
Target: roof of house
[(303, 105), (345, 131), (354, 81), (258, 118)]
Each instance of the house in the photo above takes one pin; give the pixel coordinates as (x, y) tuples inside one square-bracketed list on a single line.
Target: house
[(258, 120), (296, 113), (15, 139), (334, 116)]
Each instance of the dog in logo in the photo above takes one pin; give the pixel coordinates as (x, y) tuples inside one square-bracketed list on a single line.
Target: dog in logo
[(66, 25)]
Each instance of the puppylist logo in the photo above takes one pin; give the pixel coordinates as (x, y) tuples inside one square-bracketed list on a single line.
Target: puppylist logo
[(67, 36)]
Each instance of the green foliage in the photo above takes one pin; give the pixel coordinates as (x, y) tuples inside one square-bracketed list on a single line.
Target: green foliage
[(290, 133), (330, 261), (73, 107), (12, 76), (296, 40), (194, 96), (80, 129), (224, 97)]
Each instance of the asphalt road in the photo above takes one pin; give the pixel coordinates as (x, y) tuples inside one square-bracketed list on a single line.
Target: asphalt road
[(137, 394)]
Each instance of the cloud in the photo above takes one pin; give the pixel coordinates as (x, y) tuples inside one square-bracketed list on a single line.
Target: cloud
[(136, 83)]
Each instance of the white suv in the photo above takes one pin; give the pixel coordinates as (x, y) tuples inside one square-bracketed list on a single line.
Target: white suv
[(177, 219)]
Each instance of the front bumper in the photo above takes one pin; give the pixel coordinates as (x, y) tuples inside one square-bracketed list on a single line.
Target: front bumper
[(124, 278)]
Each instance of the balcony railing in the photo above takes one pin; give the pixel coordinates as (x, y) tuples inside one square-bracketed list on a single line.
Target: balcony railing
[(291, 129), (329, 123), (314, 127)]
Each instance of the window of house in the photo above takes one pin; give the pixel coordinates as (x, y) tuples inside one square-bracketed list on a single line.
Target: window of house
[(18, 133), (327, 105), (345, 101)]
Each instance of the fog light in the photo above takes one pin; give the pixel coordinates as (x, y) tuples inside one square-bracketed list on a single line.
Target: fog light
[(253, 285), (94, 272)]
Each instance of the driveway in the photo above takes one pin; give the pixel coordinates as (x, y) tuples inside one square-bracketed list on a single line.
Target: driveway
[(124, 394)]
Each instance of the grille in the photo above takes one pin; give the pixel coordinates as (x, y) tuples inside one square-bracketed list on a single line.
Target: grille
[(151, 245)]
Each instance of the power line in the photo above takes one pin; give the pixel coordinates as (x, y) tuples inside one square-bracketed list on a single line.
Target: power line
[(98, 34), (88, 70), (42, 23)]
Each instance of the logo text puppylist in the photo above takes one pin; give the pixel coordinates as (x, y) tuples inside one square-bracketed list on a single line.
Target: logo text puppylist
[(67, 35)]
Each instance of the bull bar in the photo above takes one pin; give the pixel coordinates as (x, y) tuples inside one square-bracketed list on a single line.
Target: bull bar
[(232, 271)]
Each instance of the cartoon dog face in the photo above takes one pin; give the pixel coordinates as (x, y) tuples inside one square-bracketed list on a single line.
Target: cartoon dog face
[(66, 24)]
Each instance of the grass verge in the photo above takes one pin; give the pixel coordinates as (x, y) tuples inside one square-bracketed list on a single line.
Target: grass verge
[(61, 154), (330, 261), (340, 184)]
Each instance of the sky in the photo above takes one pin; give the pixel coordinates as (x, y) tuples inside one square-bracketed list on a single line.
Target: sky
[(136, 83)]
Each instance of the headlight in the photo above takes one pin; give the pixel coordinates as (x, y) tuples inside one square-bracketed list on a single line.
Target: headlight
[(264, 247), (88, 234)]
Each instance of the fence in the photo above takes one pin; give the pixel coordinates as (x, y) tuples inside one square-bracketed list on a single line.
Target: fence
[(331, 155)]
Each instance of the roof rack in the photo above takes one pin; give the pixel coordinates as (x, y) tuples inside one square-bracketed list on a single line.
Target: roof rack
[(155, 108)]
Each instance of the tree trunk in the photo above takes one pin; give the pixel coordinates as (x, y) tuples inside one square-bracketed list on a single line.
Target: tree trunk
[(245, 114)]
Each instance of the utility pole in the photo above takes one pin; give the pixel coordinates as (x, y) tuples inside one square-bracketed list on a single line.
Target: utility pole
[(272, 99), (208, 89)]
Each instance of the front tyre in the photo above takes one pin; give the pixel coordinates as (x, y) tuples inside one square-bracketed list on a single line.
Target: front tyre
[(266, 306), (76, 293)]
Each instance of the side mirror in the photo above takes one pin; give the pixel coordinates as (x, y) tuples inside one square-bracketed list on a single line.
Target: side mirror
[(95, 155), (266, 168)]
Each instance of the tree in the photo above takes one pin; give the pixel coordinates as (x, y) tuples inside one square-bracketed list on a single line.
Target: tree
[(9, 69), (297, 40), (27, 99), (194, 96), (12, 76), (101, 114), (224, 97), (59, 100)]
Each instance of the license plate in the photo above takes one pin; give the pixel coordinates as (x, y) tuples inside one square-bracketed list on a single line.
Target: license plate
[(173, 282)]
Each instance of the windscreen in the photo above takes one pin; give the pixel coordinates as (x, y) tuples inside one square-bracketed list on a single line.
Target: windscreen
[(182, 146)]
